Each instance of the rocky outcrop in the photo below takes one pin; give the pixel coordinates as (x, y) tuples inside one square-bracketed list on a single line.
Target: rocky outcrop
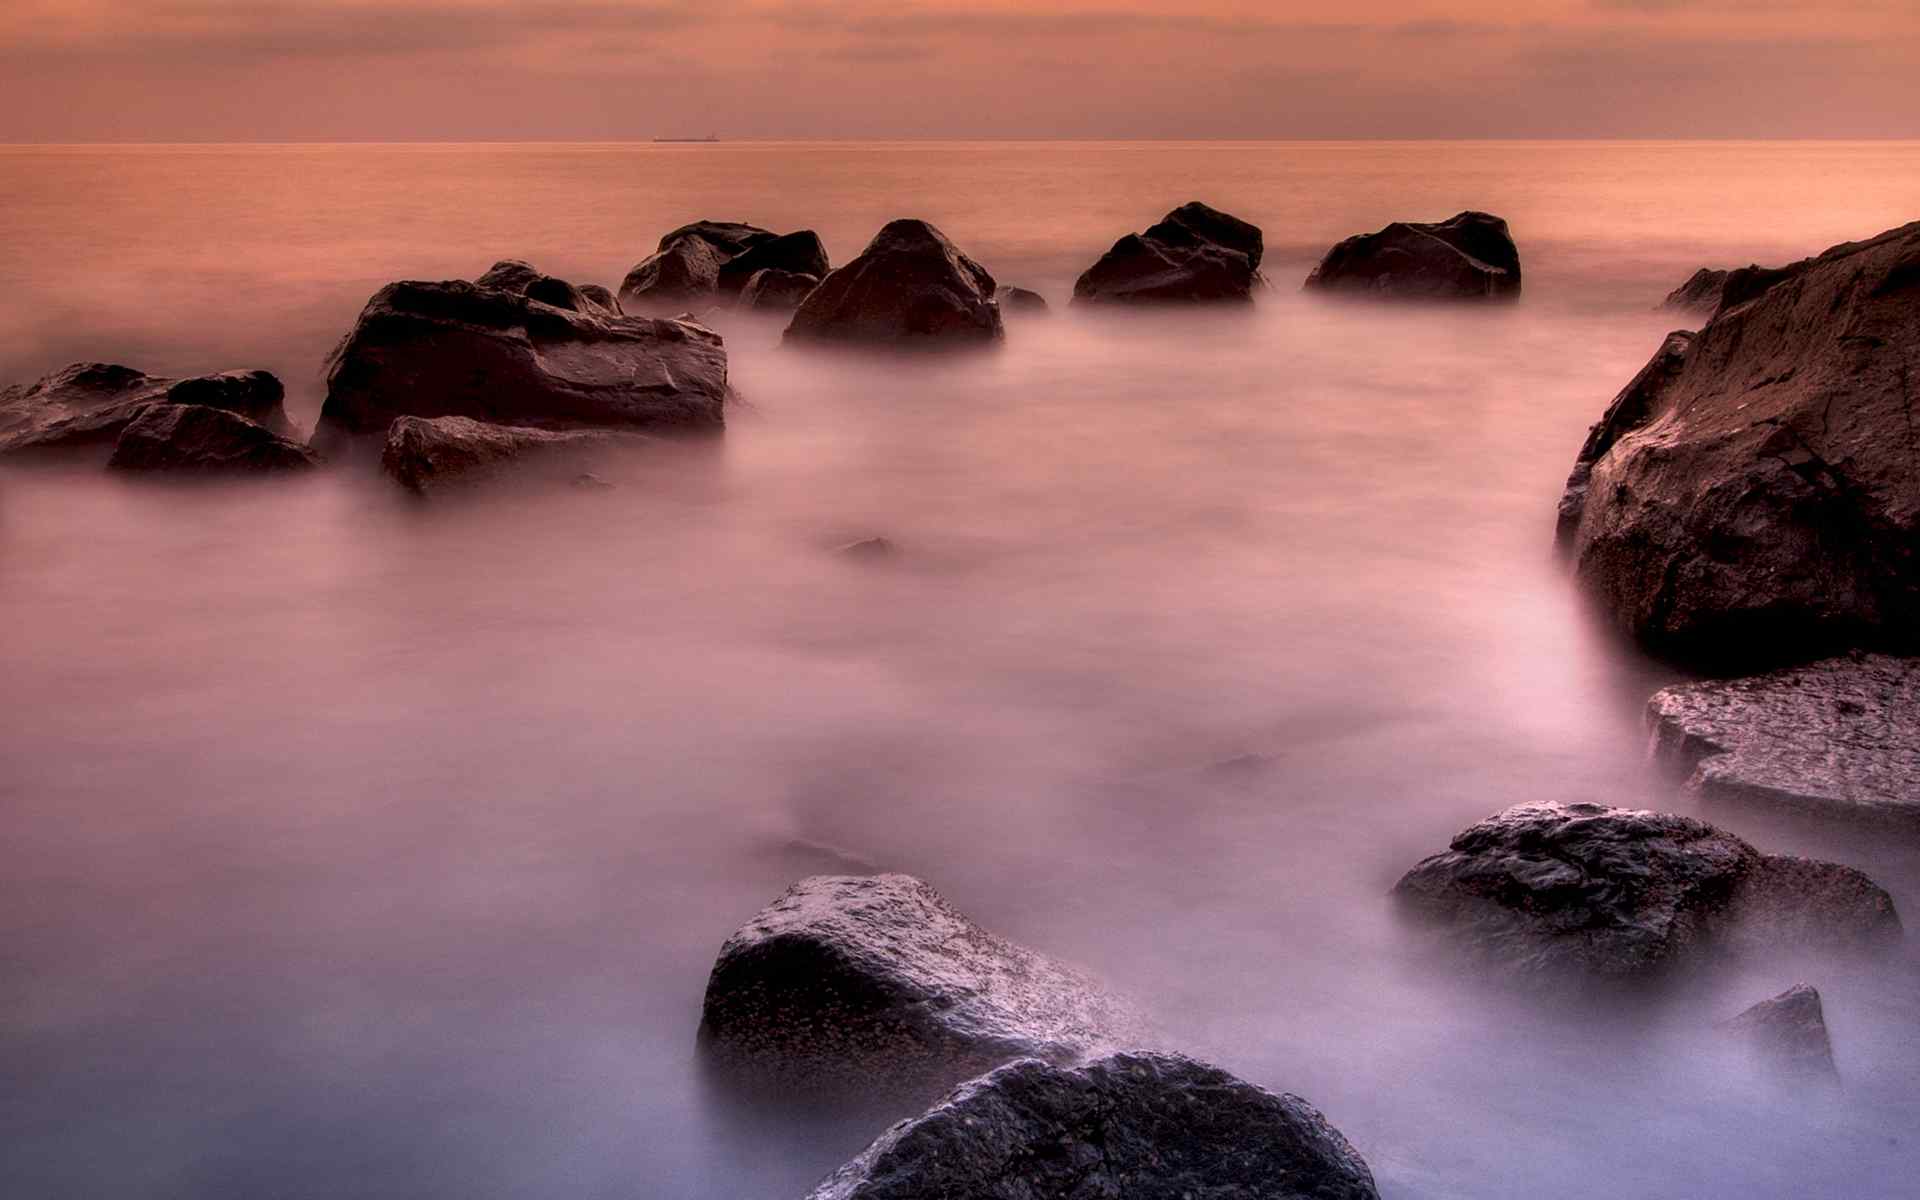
[(1839, 737), (198, 439), (1758, 501), (774, 291), (710, 261), (1467, 257), (1700, 293), (88, 405), (1570, 891), (1151, 1126), (456, 349), (427, 455), (1195, 254), (1788, 1035), (909, 287), (859, 978), (1021, 300)]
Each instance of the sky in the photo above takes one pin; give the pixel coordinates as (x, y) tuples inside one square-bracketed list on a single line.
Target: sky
[(401, 70)]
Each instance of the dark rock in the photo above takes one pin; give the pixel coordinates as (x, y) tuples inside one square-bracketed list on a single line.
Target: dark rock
[(197, 439), (1557, 891), (425, 455), (870, 548), (509, 275), (1839, 737), (1139, 1126), (1468, 257), (1700, 293), (1021, 300), (684, 270), (728, 238), (602, 297), (1629, 410), (1760, 503), (1194, 254), (909, 286), (1789, 1034), (795, 253), (776, 291), (454, 349), (88, 405), (559, 294), (859, 977)]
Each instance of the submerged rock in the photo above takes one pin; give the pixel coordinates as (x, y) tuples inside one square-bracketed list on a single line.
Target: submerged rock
[(1759, 502), (1700, 293), (776, 291), (199, 439), (1581, 890), (910, 286), (1139, 1126), (424, 455), (870, 548), (1194, 254), (1470, 256), (1789, 1035), (1021, 300), (87, 405), (1837, 738)]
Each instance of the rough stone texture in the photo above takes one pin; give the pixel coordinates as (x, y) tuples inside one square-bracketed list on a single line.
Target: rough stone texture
[(1839, 737), (795, 253), (425, 455), (1132, 1126), (910, 286), (1021, 300), (198, 439), (1195, 254), (1700, 293), (717, 260), (1789, 1034), (1761, 504), (1545, 891), (1467, 257), (1629, 410), (776, 291), (457, 349), (684, 270), (87, 405), (877, 976)]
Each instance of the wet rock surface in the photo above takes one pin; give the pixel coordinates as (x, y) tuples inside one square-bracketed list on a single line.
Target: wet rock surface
[(1470, 256), (427, 455), (1700, 293), (198, 439), (909, 287), (1140, 1126), (1568, 891), (1788, 1035), (1839, 737), (1195, 254), (87, 405)]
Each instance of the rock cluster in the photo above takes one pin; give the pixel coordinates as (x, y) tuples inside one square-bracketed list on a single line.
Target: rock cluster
[(1470, 256), (1700, 293), (1195, 254), (712, 261)]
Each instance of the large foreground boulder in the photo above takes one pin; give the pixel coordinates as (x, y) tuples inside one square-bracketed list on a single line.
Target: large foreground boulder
[(1569, 891), (1787, 1035), (909, 287), (1127, 1127), (709, 261), (1839, 737), (426, 455), (1466, 257), (1700, 293), (1758, 500), (872, 978), (88, 405), (1195, 254), (202, 440)]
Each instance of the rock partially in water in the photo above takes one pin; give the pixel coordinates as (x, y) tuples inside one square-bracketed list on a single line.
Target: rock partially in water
[(776, 291), (1145, 1126), (1021, 300), (1195, 254), (1629, 410), (600, 296), (1761, 504), (849, 980), (909, 287), (86, 406), (1788, 1034), (1470, 256), (681, 272), (793, 253), (1700, 293), (1836, 738), (870, 548), (714, 260), (509, 275), (1568, 891), (426, 455), (199, 439)]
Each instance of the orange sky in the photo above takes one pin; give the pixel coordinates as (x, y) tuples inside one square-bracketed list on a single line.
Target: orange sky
[(168, 70)]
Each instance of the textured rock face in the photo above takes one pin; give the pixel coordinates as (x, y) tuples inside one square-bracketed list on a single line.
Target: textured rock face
[(1838, 737), (1138, 1126), (877, 977), (1468, 257), (197, 439), (456, 349), (1629, 410), (1789, 1034), (426, 455), (681, 272), (716, 260), (910, 286), (1582, 890), (776, 291), (1700, 293), (1194, 254), (87, 405), (1761, 504)]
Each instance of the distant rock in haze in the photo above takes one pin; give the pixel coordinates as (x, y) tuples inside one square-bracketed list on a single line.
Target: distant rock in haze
[(1195, 254), (1470, 256), (198, 439), (428, 455), (909, 287), (1700, 293), (86, 406), (1788, 1035), (1021, 300)]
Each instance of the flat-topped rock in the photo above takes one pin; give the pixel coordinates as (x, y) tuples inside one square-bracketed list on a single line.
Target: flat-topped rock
[(1128, 1127), (86, 406), (1470, 256), (201, 440), (426, 455), (1839, 737), (1700, 293), (909, 287), (1788, 1035), (1194, 254)]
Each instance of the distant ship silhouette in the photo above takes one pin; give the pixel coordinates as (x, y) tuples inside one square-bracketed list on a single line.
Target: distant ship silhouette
[(712, 137)]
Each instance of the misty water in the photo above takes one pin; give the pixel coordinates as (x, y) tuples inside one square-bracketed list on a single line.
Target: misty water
[(355, 847)]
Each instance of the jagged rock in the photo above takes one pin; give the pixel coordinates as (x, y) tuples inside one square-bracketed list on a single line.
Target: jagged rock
[(1759, 503), (87, 405), (425, 455), (455, 349), (198, 439), (1470, 256), (1021, 300), (910, 286), (1700, 293), (1194, 254), (794, 253), (1839, 737), (1789, 1034), (776, 291), (509, 275), (1140, 1126), (858, 977), (1556, 891)]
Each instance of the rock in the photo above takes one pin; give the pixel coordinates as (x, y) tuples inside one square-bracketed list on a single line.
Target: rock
[(455, 349), (682, 271), (1629, 410), (854, 978), (1140, 1126), (1021, 300), (199, 439), (717, 259), (560, 294), (910, 286), (509, 275), (425, 455), (727, 238), (1789, 1034), (1194, 254), (87, 405), (1839, 737), (1467, 257), (794, 253), (1758, 503), (869, 548), (602, 297), (776, 291), (1570, 891), (1700, 293)]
